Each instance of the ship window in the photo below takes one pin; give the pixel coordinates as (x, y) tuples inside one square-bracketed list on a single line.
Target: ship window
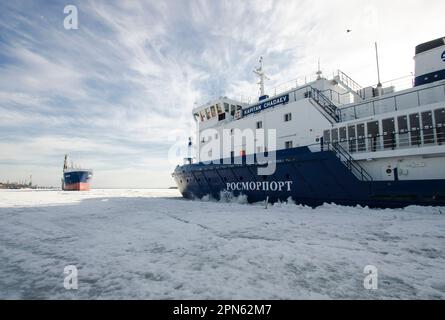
[(196, 116), (226, 107), (288, 144), (232, 110), (427, 127), (208, 115), (361, 142), (414, 123), (259, 125), (213, 110), (203, 115), (352, 139), (288, 117), (334, 134), (389, 130), (402, 122), (239, 108), (439, 116), (342, 134), (327, 136), (373, 133), (218, 108)]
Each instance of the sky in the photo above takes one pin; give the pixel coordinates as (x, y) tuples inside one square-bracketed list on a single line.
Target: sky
[(116, 93)]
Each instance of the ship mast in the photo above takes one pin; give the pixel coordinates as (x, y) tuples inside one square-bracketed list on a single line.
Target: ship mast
[(65, 163), (260, 73)]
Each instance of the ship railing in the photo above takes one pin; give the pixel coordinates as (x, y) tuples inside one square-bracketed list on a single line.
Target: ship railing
[(414, 139), (351, 84), (402, 101)]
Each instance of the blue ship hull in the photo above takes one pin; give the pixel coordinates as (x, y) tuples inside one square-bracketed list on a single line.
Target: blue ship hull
[(309, 178), (78, 180)]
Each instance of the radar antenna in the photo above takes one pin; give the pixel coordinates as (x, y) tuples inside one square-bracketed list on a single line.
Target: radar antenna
[(260, 73)]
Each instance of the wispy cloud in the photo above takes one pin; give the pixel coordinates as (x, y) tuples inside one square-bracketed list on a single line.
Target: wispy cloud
[(118, 91)]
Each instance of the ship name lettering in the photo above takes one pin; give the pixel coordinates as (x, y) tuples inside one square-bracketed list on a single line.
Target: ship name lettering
[(259, 186)]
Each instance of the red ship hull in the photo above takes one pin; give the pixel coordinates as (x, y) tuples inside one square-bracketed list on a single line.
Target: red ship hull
[(80, 186)]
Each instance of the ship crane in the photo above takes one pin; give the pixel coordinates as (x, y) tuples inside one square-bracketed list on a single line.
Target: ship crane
[(260, 73)]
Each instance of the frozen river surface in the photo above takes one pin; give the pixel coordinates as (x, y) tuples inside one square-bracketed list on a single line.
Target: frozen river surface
[(152, 244)]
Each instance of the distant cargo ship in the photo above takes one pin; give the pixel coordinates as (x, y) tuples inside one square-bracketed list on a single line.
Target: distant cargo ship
[(75, 179)]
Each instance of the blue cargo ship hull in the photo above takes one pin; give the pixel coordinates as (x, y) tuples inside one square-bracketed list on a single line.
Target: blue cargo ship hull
[(77, 180), (309, 178)]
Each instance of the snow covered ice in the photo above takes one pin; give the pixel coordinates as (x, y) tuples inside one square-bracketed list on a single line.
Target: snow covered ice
[(152, 244)]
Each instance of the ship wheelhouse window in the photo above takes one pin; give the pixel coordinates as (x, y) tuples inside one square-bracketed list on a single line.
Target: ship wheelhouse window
[(259, 125), (213, 111), (373, 134), (402, 123), (232, 109), (288, 144), (414, 123), (208, 114), (218, 108), (202, 115), (439, 118), (427, 127), (226, 107), (288, 117)]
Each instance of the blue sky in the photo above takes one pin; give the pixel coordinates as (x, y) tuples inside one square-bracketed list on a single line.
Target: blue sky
[(117, 93)]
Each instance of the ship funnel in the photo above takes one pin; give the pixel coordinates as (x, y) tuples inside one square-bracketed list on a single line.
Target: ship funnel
[(430, 62)]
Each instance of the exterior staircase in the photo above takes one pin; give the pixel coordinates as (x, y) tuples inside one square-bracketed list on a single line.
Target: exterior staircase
[(349, 162), (324, 103)]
